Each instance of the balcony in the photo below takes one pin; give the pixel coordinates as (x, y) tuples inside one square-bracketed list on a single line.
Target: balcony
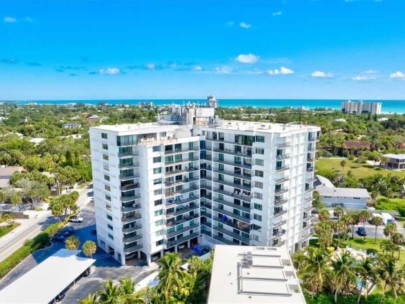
[(279, 224), (281, 180), (133, 248), (310, 189), (278, 213), (230, 152), (235, 185), (131, 229), (186, 218), (128, 176), (279, 234), (283, 145), (129, 187), (233, 215), (231, 204), (131, 239), (308, 199), (232, 163), (174, 162), (233, 174), (282, 168), (232, 234), (240, 143), (280, 202), (129, 198), (283, 156), (181, 210), (180, 231), (128, 153), (278, 243), (170, 203), (132, 218), (185, 170), (280, 191), (130, 208), (170, 194), (129, 165), (237, 225), (181, 181), (181, 240), (169, 152), (243, 197)]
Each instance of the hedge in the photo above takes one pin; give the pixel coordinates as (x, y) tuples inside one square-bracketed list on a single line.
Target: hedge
[(352, 299), (30, 246)]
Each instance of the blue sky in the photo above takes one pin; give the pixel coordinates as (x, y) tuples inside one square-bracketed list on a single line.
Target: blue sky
[(98, 49)]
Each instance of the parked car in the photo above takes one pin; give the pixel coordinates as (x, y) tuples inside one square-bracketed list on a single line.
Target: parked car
[(361, 231), (60, 237), (76, 219), (60, 297)]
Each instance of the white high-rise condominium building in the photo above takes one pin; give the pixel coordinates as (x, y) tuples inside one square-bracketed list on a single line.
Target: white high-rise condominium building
[(160, 187), (360, 107)]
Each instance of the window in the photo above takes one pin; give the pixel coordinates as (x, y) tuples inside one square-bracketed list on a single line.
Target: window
[(157, 170), (156, 148), (163, 134), (257, 195), (260, 139), (105, 147), (107, 177), (157, 181), (258, 173), (160, 242), (259, 151), (111, 236), (157, 191), (158, 202), (105, 156), (159, 223), (127, 140), (106, 187), (157, 159), (104, 135), (108, 198), (110, 227), (158, 212), (159, 232), (258, 206), (258, 184), (259, 162), (109, 217), (108, 207), (257, 217)]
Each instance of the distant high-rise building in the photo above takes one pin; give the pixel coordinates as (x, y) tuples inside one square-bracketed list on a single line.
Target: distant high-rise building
[(212, 102), (164, 186), (361, 107)]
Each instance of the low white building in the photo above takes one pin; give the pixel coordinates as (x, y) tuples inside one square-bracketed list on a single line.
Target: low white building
[(248, 274), (349, 198), (395, 161)]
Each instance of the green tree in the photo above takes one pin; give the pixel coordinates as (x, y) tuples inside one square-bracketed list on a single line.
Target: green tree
[(366, 272), (376, 221), (343, 163), (363, 217), (56, 208), (3, 196), (90, 299), (390, 229), (398, 239), (111, 293), (389, 275), (89, 248), (351, 219), (339, 211), (15, 198), (324, 215), (343, 272), (72, 243)]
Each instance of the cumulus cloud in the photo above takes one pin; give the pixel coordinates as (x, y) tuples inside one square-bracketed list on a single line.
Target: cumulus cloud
[(397, 74), (197, 68), (9, 19), (366, 76), (280, 71), (277, 14), (245, 25), (247, 58), (321, 74), (223, 70), (109, 71)]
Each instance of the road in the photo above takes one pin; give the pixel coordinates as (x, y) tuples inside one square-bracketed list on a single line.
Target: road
[(31, 227)]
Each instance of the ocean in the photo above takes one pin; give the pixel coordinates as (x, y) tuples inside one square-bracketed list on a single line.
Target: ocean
[(388, 106)]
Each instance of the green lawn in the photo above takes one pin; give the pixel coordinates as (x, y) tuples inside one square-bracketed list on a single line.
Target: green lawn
[(6, 229), (358, 171)]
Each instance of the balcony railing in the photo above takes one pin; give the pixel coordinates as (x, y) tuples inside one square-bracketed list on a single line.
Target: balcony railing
[(224, 240), (128, 176), (181, 240), (232, 163), (168, 152), (280, 213), (233, 215), (235, 185), (242, 226), (129, 187), (282, 168), (242, 176), (228, 151), (280, 191), (128, 165), (184, 219), (232, 234), (184, 170), (180, 231), (246, 198), (283, 145), (129, 198), (179, 211), (182, 181), (168, 163), (231, 204), (170, 194), (279, 233), (128, 153), (282, 179), (283, 156), (133, 248), (131, 239), (131, 208), (279, 202), (170, 203), (128, 219), (279, 224), (278, 243), (131, 229)]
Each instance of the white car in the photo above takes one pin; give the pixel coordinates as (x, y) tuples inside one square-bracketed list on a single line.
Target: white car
[(76, 219)]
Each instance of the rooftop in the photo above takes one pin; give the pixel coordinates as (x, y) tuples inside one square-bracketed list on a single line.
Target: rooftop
[(47, 280), (395, 156), (342, 192), (249, 274)]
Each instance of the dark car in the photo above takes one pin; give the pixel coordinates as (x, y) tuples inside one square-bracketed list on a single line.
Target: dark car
[(361, 231), (60, 237), (60, 297)]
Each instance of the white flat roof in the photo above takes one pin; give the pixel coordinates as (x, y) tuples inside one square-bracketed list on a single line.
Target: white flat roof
[(249, 274), (395, 156), (47, 280), (342, 192)]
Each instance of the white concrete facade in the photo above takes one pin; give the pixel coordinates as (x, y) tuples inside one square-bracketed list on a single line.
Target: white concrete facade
[(255, 182), (360, 107)]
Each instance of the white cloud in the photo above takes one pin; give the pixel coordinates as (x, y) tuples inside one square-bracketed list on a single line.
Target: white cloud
[(247, 58), (397, 74), (245, 25), (197, 68), (151, 66), (9, 19), (109, 71), (321, 74), (281, 71), (276, 14), (223, 70), (366, 75), (360, 78)]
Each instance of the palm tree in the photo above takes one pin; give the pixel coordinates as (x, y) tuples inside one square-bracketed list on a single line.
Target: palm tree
[(90, 299), (313, 268), (89, 248), (72, 243), (339, 211), (343, 272), (366, 272), (398, 239), (390, 275), (325, 233), (339, 227), (324, 215), (171, 276), (390, 229), (111, 293), (376, 221), (351, 219), (363, 217)]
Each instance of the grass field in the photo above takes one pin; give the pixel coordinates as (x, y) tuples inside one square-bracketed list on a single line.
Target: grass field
[(6, 229), (358, 171)]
